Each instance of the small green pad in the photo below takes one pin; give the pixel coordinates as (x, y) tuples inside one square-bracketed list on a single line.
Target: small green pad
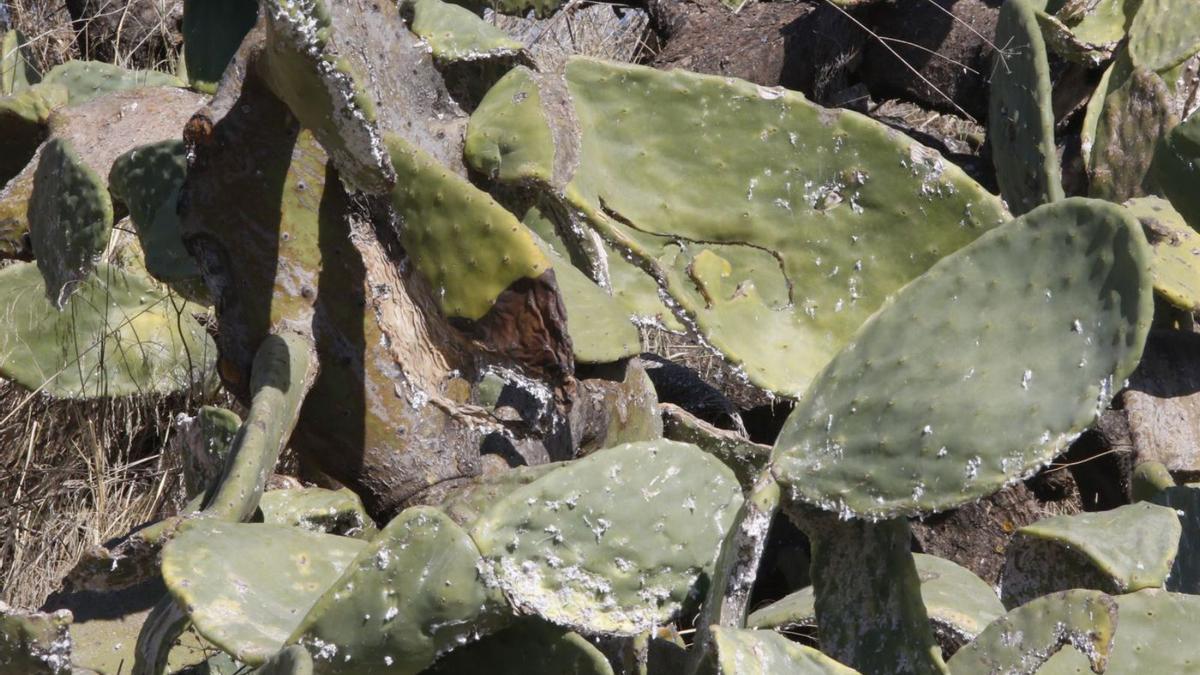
[(118, 335), (1176, 251), (1119, 551), (16, 73), (1022, 640), (531, 647), (1135, 114), (1055, 307), (1176, 169), (317, 510), (87, 80), (415, 592), (247, 586), (1021, 117), (212, 32), (455, 33), (464, 243), (70, 219), (765, 652), (1164, 33), (614, 542), (508, 138), (147, 180), (1154, 634)]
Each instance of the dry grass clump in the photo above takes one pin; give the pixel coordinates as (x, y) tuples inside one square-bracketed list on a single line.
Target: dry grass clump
[(46, 27), (74, 474)]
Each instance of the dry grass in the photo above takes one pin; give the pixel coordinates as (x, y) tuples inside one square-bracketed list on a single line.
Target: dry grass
[(74, 474), (46, 27)]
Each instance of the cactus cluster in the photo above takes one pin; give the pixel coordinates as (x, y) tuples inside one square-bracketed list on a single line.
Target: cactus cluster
[(440, 315)]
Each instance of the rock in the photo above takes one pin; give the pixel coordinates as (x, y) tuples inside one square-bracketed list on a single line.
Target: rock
[(1162, 404)]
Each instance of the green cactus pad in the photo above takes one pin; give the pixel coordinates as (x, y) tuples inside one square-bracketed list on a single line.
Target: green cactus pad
[(318, 510), (1025, 638), (462, 241), (804, 222), (1185, 501), (216, 428), (745, 458), (14, 213), (24, 122), (455, 33), (324, 91), (1176, 251), (70, 218), (933, 428), (147, 180), (414, 593), (291, 660), (247, 586), (765, 652), (1151, 638), (1149, 479), (16, 73), (530, 647), (1164, 33), (1102, 21), (33, 643), (119, 335), (614, 542), (960, 604), (212, 32), (467, 503), (1020, 118), (1176, 169), (1119, 551), (1135, 114), (87, 80)]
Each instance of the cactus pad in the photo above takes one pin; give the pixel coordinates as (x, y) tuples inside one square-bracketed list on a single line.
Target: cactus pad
[(530, 647), (291, 660), (465, 505), (1135, 114), (87, 80), (24, 118), (70, 219), (933, 428), (118, 335), (147, 180), (1176, 251), (412, 594), (33, 643), (1149, 637), (1164, 33), (16, 73), (614, 542), (212, 32), (318, 510), (745, 458), (1022, 640), (467, 246), (1021, 118), (246, 587), (765, 652), (1119, 551), (792, 237), (1176, 169), (455, 33), (215, 430)]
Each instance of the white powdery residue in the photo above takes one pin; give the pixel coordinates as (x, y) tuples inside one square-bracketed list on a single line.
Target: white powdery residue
[(973, 465), (383, 558), (690, 504), (927, 430), (325, 650), (1077, 326), (1026, 378), (943, 451), (387, 660)]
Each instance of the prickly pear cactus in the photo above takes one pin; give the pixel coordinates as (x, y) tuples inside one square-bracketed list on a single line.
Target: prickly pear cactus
[(530, 647), (246, 587), (614, 542), (1072, 275), (1119, 551), (147, 180), (33, 643), (793, 238), (1022, 640), (318, 510), (1164, 33), (1020, 117), (765, 652), (215, 429), (1176, 168), (70, 219), (24, 121), (16, 73), (88, 80), (412, 594), (1135, 114), (291, 660), (1176, 251), (455, 33), (118, 335), (212, 32)]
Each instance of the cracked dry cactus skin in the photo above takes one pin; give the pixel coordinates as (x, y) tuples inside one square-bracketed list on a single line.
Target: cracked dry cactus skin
[(247, 586), (87, 80), (614, 542), (118, 335), (324, 91), (455, 33), (413, 594), (765, 652), (70, 219), (147, 181), (792, 238), (212, 32), (1119, 551), (318, 510), (933, 429), (1149, 638), (1185, 502), (1176, 251), (1176, 169), (529, 647), (291, 660), (1021, 118), (466, 245), (1164, 33), (1021, 641), (960, 605), (33, 643)]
